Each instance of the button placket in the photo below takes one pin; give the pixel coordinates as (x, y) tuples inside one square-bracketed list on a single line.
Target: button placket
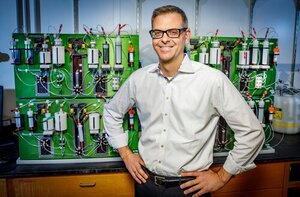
[(165, 118), (165, 114)]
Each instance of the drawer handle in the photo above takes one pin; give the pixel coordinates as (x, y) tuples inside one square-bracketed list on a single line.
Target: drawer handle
[(87, 184)]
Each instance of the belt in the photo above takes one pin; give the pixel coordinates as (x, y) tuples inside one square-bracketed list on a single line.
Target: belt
[(167, 181)]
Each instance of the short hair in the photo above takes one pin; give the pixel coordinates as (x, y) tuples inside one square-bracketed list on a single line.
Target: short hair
[(170, 9)]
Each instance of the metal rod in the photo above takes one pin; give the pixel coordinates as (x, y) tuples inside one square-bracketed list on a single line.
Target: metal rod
[(138, 15), (197, 2), (76, 15), (37, 13), (19, 5), (251, 8), (27, 16)]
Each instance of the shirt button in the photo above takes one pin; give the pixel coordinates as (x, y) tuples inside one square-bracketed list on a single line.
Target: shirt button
[(167, 98), (166, 114), (164, 130), (162, 146), (159, 161)]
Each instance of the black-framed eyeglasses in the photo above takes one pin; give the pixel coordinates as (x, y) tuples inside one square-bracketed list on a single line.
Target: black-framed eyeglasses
[(171, 33)]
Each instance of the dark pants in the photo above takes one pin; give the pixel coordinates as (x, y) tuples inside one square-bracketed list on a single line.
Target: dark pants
[(149, 189)]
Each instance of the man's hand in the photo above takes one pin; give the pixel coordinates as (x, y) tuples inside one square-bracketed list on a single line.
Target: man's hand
[(205, 181), (133, 164)]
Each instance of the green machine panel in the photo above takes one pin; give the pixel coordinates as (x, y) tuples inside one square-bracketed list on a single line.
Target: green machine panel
[(69, 65), (60, 129)]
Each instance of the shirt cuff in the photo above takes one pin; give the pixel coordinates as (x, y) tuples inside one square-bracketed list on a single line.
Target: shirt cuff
[(233, 168), (118, 141)]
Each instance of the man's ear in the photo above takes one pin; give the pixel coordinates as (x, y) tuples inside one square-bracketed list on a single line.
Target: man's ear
[(187, 35)]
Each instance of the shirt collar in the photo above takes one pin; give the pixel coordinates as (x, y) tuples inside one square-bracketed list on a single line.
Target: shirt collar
[(185, 67)]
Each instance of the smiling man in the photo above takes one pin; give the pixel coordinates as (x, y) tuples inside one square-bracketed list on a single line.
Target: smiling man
[(179, 103)]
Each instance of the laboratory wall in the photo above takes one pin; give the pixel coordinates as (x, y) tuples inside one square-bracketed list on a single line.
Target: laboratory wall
[(229, 17)]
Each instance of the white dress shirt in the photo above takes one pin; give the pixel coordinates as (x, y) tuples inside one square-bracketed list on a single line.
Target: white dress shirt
[(179, 117)]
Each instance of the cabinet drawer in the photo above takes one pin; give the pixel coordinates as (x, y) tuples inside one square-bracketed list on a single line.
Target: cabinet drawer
[(264, 176), (3, 192), (104, 184)]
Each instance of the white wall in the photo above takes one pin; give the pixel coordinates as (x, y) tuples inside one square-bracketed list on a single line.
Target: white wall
[(281, 18), (108, 13), (229, 16), (8, 22), (54, 13)]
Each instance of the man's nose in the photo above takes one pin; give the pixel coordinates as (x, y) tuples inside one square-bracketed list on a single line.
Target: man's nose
[(165, 37)]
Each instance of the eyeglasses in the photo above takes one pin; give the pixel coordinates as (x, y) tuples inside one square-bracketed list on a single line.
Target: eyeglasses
[(171, 33)]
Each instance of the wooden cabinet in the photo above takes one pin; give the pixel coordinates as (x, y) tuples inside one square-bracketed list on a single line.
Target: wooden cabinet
[(281, 179), (266, 180), (104, 184)]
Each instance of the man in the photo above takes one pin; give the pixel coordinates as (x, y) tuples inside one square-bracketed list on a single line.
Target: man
[(179, 103)]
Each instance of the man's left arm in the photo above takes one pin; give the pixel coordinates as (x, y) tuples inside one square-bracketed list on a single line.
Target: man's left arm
[(248, 132)]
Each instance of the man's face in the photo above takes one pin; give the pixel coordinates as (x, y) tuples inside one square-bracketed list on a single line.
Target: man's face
[(170, 49)]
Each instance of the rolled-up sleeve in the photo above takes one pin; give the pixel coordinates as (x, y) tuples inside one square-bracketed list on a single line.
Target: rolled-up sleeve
[(113, 115), (248, 132)]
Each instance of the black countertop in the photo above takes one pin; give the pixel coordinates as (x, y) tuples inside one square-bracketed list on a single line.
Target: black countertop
[(287, 150)]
